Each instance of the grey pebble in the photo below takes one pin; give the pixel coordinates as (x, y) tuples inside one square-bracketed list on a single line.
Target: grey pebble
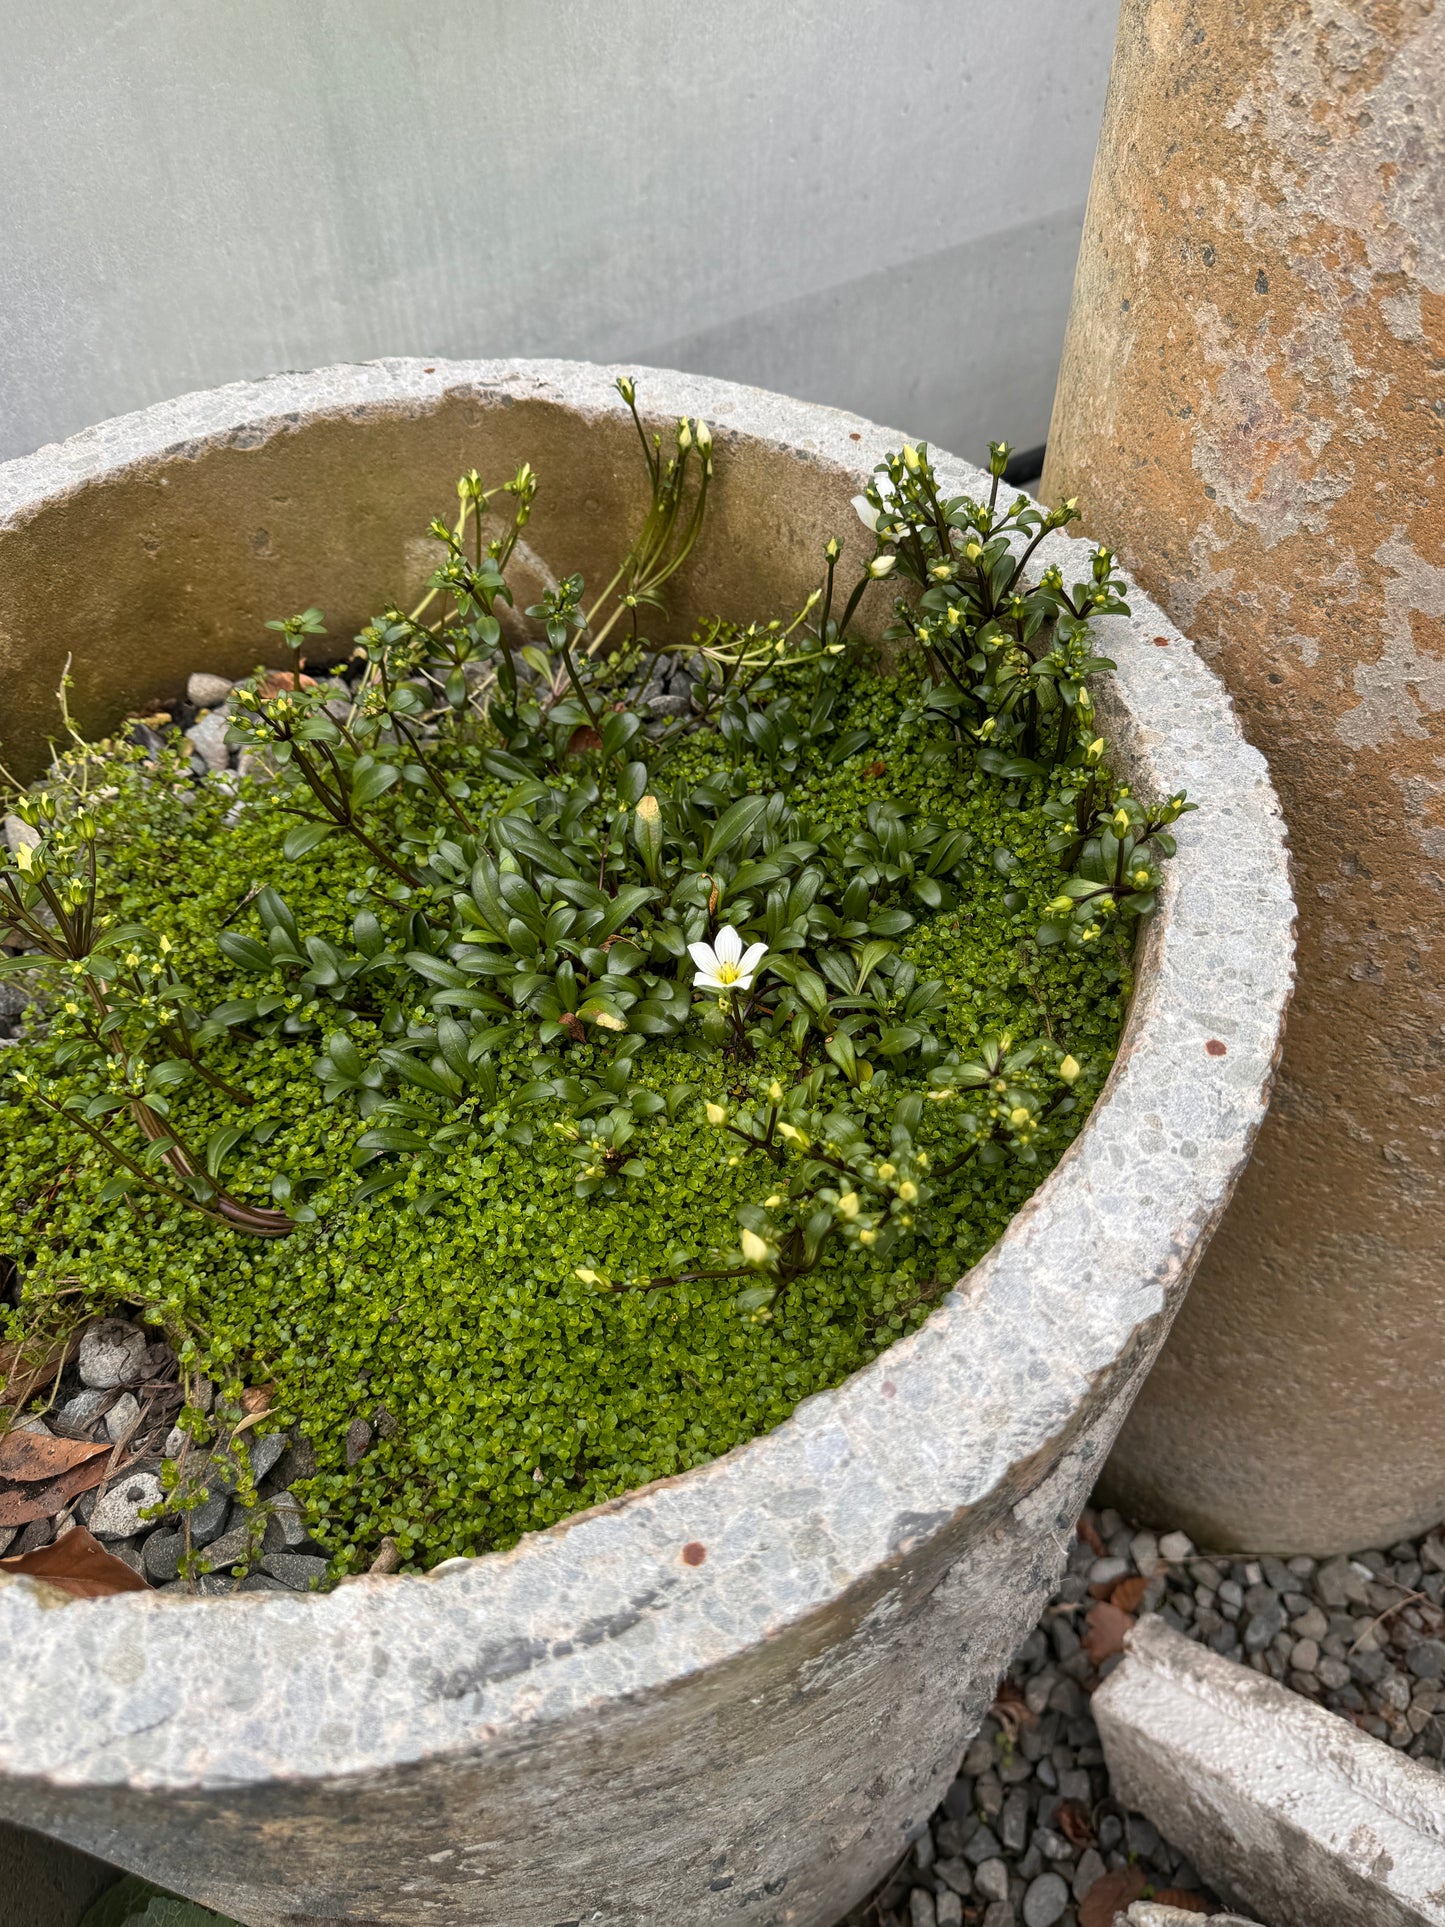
[(984, 1845), (1000, 1914), (921, 1911), (121, 1419), (1427, 1660), (956, 1874), (949, 1909), (297, 1570), (207, 738), (1013, 1825), (267, 1452), (1045, 1901), (1090, 1868), (230, 1548), (1263, 1626), (205, 691), (209, 1518), (117, 1514), (112, 1352), (991, 1880), (80, 1412), (161, 1554)]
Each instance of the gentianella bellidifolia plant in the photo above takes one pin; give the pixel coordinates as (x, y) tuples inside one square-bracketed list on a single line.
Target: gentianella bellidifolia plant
[(702, 1007)]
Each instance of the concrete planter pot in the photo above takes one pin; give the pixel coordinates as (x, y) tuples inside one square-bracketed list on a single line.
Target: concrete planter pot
[(732, 1696)]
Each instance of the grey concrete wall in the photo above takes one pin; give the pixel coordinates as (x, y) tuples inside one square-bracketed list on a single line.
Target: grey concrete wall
[(875, 204)]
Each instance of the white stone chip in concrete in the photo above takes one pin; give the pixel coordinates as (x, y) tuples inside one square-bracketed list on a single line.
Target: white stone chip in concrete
[(1282, 1805)]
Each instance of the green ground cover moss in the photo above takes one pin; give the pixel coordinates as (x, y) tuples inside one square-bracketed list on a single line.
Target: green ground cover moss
[(511, 1392)]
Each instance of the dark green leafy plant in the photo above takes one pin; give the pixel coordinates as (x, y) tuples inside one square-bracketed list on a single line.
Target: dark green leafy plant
[(507, 904)]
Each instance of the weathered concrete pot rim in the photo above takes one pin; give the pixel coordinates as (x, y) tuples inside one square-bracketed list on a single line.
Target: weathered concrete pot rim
[(687, 1574)]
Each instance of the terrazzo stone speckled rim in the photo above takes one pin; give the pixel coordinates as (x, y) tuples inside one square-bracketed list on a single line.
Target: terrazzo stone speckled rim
[(684, 1576)]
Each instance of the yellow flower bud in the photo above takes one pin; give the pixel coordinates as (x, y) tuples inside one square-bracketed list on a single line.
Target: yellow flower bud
[(772, 1203), (588, 1275), (704, 437), (908, 1191), (910, 457), (887, 1171), (867, 1237), (1069, 1069), (717, 1114), (775, 1092), (755, 1249), (1019, 1115)]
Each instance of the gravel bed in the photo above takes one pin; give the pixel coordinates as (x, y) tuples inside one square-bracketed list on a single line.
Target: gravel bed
[(1028, 1835), (122, 1390)]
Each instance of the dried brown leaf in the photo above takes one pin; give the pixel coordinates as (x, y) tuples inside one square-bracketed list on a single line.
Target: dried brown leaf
[(20, 1504), (1104, 1628), (1091, 1539), (34, 1455), (1071, 1817), (79, 1564), (1110, 1895), (1011, 1710), (23, 1372), (1128, 1593)]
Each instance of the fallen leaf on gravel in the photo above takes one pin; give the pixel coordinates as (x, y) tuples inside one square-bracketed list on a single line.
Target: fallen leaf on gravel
[(256, 1400), (21, 1504), (78, 1564), (1110, 1895), (1011, 1709), (1071, 1817), (1095, 1544), (1183, 1898), (32, 1455), (22, 1373), (1104, 1629), (1128, 1594)]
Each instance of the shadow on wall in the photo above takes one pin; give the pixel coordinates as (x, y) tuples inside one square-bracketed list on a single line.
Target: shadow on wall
[(959, 347)]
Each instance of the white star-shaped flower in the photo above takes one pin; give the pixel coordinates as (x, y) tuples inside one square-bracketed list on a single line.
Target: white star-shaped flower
[(723, 964)]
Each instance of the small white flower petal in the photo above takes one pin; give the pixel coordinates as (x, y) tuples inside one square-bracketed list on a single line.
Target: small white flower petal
[(754, 956), (703, 956), (867, 514), (727, 945)]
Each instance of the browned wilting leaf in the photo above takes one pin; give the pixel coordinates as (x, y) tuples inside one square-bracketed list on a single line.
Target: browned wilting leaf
[(1104, 1628), (19, 1504), (1129, 1593), (1011, 1709), (23, 1372), (1184, 1898), (35, 1455), (78, 1564), (256, 1400), (1110, 1895), (583, 738), (1071, 1817), (1091, 1538)]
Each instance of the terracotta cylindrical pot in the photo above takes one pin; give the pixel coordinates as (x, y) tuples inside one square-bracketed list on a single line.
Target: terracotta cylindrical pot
[(1252, 410), (731, 1697)]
